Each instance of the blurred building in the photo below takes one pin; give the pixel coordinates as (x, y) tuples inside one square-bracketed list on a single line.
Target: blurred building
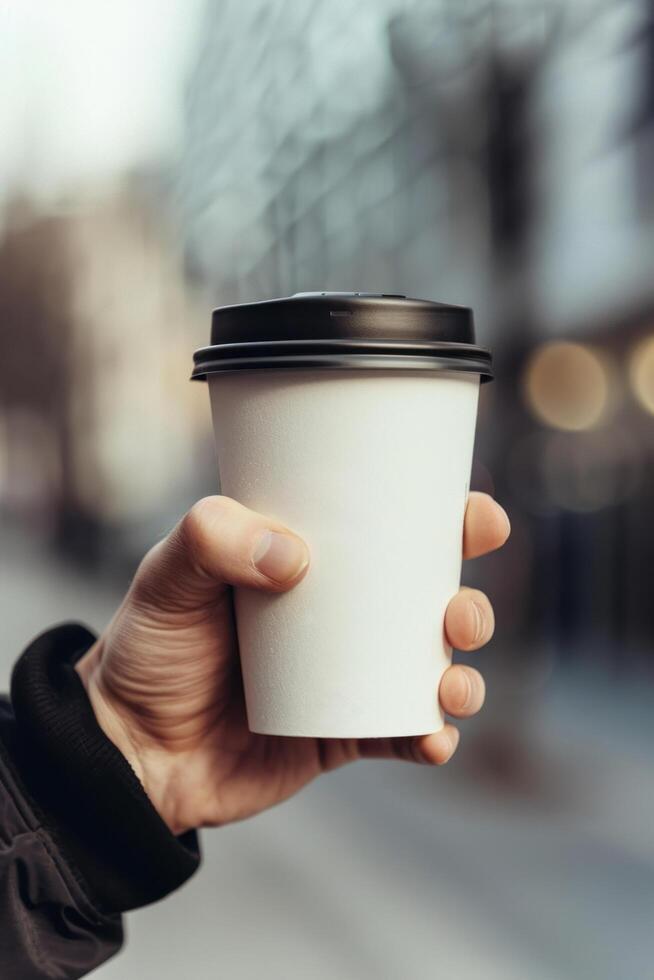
[(491, 154), (311, 161), (100, 424)]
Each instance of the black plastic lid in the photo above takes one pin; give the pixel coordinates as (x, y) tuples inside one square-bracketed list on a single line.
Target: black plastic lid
[(342, 330)]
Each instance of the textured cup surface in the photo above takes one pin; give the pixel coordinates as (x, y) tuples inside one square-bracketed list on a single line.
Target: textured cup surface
[(371, 468)]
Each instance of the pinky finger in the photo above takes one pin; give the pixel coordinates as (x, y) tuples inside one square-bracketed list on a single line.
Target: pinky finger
[(439, 747), (434, 749)]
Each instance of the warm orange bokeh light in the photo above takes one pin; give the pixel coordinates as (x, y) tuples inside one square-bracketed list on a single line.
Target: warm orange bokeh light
[(567, 386), (641, 373)]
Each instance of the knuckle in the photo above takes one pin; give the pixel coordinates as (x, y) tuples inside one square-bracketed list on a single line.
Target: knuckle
[(198, 524)]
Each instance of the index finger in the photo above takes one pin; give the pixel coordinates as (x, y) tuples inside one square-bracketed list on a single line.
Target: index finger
[(486, 526)]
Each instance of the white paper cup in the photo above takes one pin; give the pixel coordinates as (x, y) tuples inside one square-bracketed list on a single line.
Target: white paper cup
[(371, 468)]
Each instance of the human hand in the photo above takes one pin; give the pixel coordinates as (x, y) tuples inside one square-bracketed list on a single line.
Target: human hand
[(165, 683)]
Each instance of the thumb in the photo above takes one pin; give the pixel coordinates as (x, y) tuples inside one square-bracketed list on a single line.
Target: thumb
[(219, 543)]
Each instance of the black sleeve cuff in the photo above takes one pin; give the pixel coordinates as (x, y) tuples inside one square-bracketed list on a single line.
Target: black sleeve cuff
[(83, 789)]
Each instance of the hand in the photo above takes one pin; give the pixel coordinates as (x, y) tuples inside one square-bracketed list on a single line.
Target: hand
[(165, 683)]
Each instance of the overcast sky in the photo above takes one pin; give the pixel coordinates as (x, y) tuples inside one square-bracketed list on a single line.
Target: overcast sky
[(89, 87)]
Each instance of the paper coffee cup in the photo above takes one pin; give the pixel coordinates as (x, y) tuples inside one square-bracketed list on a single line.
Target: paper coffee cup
[(350, 418)]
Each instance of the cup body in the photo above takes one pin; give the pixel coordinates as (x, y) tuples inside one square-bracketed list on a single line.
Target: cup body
[(371, 468)]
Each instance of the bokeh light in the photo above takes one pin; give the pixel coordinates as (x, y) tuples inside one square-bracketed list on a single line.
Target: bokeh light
[(567, 386), (641, 373)]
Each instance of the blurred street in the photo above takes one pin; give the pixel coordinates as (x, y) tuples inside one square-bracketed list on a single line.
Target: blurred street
[(160, 159), (385, 870)]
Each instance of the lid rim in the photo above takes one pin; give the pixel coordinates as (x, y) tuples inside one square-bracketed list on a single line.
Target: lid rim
[(381, 344), (459, 362)]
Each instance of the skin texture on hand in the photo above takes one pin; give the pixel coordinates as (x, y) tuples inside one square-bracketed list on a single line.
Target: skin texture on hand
[(165, 683)]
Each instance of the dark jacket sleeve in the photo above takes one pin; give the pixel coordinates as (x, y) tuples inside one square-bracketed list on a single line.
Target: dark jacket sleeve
[(80, 841)]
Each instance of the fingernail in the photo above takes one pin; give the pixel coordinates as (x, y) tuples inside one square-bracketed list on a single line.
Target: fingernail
[(467, 699), (279, 556), (480, 622), (452, 737), (506, 518)]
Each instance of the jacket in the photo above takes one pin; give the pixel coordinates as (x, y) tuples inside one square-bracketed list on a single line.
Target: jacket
[(80, 841)]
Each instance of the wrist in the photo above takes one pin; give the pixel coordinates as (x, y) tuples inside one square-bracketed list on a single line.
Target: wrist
[(151, 766)]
